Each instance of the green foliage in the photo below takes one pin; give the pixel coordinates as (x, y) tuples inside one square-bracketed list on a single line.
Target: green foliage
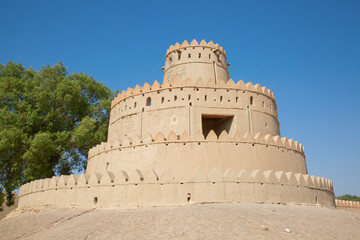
[(48, 121), (349, 197)]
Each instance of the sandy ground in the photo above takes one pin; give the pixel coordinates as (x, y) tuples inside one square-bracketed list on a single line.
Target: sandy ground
[(203, 221)]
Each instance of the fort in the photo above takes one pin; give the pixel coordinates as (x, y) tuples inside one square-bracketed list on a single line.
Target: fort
[(198, 137)]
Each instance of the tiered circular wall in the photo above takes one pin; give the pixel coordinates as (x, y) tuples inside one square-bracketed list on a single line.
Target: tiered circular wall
[(197, 138)]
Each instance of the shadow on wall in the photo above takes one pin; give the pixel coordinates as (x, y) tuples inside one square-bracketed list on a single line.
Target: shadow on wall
[(217, 123), (7, 209)]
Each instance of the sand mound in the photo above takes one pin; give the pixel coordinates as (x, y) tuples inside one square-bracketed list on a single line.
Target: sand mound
[(206, 221)]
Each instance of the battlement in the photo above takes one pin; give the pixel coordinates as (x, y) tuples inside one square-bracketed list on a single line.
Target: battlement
[(137, 188), (194, 43), (159, 138), (189, 83), (97, 179)]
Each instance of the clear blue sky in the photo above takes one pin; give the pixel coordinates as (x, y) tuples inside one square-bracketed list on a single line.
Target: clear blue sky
[(307, 52)]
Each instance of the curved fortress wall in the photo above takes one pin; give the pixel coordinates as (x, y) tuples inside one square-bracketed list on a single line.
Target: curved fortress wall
[(137, 188), (188, 153)]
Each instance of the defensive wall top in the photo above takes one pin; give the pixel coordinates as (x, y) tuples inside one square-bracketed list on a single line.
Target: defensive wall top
[(194, 43), (199, 83)]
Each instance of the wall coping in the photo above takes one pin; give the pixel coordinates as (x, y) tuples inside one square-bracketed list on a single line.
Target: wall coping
[(248, 137), (189, 83), (136, 176), (194, 43)]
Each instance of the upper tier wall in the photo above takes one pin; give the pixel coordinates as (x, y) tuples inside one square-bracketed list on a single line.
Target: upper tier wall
[(206, 60), (179, 107)]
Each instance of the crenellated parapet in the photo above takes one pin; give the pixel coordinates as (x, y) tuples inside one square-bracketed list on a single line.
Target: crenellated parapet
[(194, 43), (190, 83), (137, 188), (159, 138)]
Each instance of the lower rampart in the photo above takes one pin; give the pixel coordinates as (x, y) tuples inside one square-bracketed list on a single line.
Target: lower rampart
[(135, 189)]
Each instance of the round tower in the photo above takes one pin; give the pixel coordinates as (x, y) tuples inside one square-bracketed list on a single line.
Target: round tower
[(198, 137), (194, 60)]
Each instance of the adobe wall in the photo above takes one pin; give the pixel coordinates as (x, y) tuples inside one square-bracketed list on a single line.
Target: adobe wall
[(154, 188), (344, 203), (206, 60), (185, 152), (178, 107)]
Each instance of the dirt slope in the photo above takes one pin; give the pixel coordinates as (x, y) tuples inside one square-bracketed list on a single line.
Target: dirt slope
[(205, 221)]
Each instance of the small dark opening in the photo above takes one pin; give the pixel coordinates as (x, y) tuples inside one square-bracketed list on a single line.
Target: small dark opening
[(199, 55), (107, 165), (217, 123), (162, 100), (188, 197), (251, 100), (95, 201), (148, 101), (189, 56)]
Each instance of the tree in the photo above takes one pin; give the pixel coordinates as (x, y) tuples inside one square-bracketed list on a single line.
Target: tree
[(48, 121), (349, 197)]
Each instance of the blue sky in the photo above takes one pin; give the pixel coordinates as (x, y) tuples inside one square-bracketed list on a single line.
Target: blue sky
[(306, 52)]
